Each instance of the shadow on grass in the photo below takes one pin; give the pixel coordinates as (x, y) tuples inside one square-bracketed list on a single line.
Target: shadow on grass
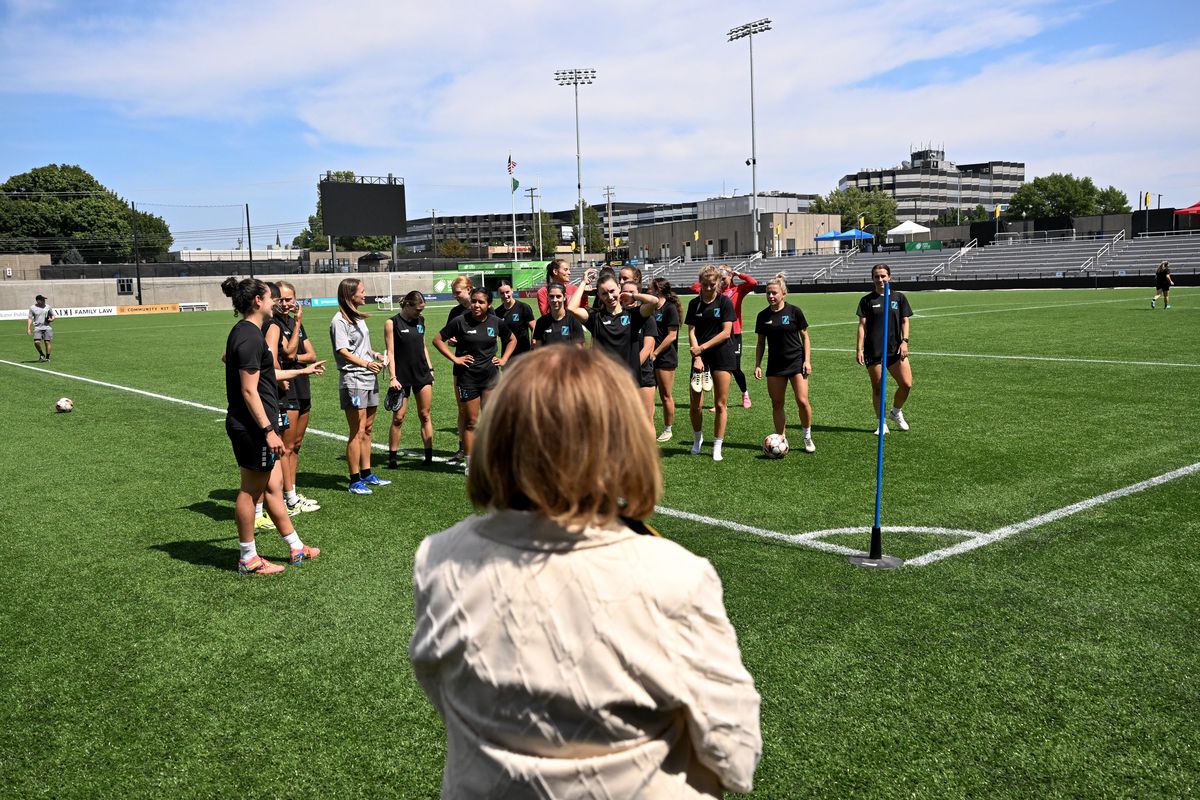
[(835, 429), (203, 553), (320, 480), (214, 511), (419, 465)]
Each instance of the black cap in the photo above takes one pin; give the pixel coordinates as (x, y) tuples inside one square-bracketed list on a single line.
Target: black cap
[(40, 297)]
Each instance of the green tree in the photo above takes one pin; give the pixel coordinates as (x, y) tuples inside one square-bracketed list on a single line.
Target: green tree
[(593, 240), (314, 237), (953, 216), (60, 207), (549, 237), (1056, 195), (1113, 201), (452, 248), (877, 206)]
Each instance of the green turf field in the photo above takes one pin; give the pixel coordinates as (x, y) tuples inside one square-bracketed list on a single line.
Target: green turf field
[(1061, 661)]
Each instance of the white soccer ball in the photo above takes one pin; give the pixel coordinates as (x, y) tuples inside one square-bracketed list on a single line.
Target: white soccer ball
[(64, 405), (775, 446)]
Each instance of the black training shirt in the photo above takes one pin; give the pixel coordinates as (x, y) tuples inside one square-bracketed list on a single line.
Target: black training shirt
[(871, 308), (785, 348), (246, 349), (708, 319), (517, 319), (478, 340), (408, 344), (567, 330)]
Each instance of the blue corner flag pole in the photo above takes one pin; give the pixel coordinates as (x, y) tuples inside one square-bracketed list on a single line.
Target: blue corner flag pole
[(876, 532)]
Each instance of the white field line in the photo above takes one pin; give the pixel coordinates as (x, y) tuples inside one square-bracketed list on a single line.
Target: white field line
[(1002, 310), (1056, 359), (809, 539), (340, 437)]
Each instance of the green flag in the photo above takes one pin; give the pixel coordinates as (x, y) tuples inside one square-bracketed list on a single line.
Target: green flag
[(516, 183)]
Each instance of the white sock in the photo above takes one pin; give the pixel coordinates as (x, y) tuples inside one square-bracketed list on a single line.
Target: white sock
[(249, 551), (666, 429), (291, 496), (698, 438), (808, 432), (258, 509), (293, 540), (717, 455)]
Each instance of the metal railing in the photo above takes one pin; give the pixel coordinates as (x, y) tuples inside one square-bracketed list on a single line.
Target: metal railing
[(945, 265), (1111, 247), (1085, 266)]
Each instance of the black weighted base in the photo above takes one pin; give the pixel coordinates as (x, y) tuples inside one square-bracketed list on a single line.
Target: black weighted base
[(883, 562)]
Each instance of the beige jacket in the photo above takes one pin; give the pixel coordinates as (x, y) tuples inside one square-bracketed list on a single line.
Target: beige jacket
[(597, 664)]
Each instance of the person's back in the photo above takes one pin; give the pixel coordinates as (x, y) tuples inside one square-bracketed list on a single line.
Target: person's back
[(577, 660)]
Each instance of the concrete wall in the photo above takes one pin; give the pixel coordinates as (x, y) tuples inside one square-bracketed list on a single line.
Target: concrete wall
[(24, 266), (737, 233), (70, 293)]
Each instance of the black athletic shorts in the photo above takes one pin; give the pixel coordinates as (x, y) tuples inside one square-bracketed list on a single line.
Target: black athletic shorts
[(719, 359), (668, 359), (892, 360), (470, 390), (250, 448), (736, 338), (645, 377), (304, 405)]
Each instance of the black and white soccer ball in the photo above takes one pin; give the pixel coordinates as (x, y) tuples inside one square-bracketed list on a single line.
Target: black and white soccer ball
[(64, 405)]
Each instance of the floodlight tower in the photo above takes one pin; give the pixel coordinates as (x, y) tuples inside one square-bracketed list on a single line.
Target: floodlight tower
[(574, 77), (747, 32)]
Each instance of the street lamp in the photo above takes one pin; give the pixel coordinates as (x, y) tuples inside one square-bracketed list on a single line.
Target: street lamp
[(747, 32), (574, 77)]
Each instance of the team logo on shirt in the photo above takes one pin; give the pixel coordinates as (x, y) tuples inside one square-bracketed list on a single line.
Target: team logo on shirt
[(895, 305), (624, 320), (786, 320), (566, 330), (491, 332), (420, 329), (717, 313), (516, 317), (658, 317)]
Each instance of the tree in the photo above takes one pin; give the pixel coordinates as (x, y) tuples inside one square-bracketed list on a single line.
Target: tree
[(1058, 195), (452, 248), (60, 207), (314, 237), (549, 235), (1113, 201), (954, 216), (877, 206), (594, 241)]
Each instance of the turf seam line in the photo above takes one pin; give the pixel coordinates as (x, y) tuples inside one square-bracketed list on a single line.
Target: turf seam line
[(1056, 359)]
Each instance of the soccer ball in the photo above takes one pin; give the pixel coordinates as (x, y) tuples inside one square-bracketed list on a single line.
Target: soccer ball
[(775, 446), (64, 405)]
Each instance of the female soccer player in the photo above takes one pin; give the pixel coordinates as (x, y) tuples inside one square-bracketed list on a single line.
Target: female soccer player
[(557, 326), (252, 422), (1162, 284), (666, 349), (517, 316), (476, 364), (618, 330), (411, 372), (462, 288), (358, 392), (647, 698), (710, 318), (557, 271), (783, 330), (736, 293), (870, 343), (289, 342), (630, 294)]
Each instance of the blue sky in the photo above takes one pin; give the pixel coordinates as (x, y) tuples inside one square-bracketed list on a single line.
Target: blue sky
[(181, 105)]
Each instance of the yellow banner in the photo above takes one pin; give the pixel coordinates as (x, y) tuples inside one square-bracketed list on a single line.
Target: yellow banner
[(165, 308)]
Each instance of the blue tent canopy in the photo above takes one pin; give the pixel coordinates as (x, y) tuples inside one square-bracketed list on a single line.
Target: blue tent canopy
[(855, 233), (828, 236)]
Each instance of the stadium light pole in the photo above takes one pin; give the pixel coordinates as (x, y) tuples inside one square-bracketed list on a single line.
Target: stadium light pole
[(747, 32), (574, 77)]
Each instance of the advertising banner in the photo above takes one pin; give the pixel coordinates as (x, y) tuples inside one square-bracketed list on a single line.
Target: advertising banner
[(322, 301), (933, 244), (83, 311), (162, 308)]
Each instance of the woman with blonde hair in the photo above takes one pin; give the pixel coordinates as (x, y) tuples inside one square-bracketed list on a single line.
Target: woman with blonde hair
[(647, 699), (462, 286), (358, 391), (783, 331), (710, 318), (1162, 284)]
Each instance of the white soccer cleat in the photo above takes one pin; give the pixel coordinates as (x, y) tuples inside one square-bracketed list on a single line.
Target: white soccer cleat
[(708, 383), (897, 417), (665, 436), (885, 430), (809, 447), (697, 381)]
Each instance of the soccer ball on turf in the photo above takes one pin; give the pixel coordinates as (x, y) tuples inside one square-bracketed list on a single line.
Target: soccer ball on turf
[(64, 405), (775, 446)]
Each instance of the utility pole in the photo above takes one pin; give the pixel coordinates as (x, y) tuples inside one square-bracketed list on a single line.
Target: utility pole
[(747, 32), (433, 231), (249, 241), (137, 261), (608, 196), (574, 77), (533, 215)]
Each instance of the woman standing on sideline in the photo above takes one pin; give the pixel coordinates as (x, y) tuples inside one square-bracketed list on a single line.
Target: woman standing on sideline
[(557, 326), (476, 363), (783, 330), (666, 349), (1162, 284), (709, 319), (358, 391), (411, 372), (252, 423), (870, 343), (648, 699)]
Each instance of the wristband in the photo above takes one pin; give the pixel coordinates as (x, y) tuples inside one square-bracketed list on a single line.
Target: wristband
[(268, 428)]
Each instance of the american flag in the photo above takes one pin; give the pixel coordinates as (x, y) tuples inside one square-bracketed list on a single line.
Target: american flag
[(511, 164)]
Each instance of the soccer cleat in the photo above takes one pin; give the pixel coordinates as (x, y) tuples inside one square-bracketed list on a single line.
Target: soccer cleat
[(263, 523), (1166, 307), (717, 454), (665, 436), (303, 505), (392, 464), (456, 458), (302, 554), (1152, 303), (697, 381), (375, 480), (696, 447), (42, 358), (258, 566), (746, 400), (708, 384), (358, 487), (809, 447), (897, 416), (885, 430)]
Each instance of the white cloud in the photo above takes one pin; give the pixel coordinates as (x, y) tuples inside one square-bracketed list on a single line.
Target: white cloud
[(441, 93)]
